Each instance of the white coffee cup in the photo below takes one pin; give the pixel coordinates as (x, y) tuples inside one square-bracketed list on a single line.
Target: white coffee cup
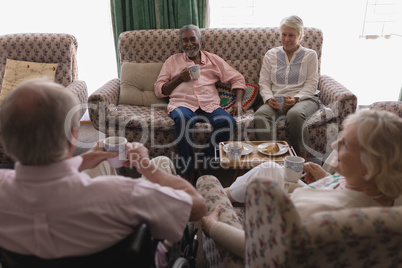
[(234, 151), (281, 101), (116, 144), (293, 168), (195, 71)]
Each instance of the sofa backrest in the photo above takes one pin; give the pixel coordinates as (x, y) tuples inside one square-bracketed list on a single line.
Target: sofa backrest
[(390, 106), (243, 48), (42, 47)]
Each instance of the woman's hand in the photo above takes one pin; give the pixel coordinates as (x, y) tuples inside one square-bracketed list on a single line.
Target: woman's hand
[(289, 102), (273, 103), (313, 172), (210, 220)]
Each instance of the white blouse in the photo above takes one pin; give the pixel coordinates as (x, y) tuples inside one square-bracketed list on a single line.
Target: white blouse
[(297, 77)]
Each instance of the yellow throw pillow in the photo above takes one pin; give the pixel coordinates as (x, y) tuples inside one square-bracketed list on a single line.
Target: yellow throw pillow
[(19, 71), (137, 83)]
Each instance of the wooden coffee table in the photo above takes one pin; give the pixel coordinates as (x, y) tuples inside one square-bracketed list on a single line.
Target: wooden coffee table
[(252, 159)]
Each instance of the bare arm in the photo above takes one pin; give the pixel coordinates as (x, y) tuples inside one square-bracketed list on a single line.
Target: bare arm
[(139, 158), (224, 234), (238, 107)]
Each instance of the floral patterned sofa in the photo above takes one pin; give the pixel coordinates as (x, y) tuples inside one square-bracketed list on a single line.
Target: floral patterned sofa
[(241, 48), (44, 48), (277, 237), (390, 106)]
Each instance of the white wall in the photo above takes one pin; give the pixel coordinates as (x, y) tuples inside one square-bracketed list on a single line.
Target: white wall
[(371, 69)]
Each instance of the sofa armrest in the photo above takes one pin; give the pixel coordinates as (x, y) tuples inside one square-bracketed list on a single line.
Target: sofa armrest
[(390, 106), (100, 101), (79, 88), (271, 220), (337, 97)]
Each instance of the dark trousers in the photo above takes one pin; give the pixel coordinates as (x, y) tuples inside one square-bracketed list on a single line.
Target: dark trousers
[(223, 126)]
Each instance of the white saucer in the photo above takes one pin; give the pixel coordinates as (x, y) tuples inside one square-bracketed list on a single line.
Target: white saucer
[(282, 148), (247, 148)]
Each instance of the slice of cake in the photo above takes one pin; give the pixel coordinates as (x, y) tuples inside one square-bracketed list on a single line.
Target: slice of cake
[(271, 149)]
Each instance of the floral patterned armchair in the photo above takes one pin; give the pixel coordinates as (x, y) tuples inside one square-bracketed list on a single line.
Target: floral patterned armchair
[(44, 48), (390, 106), (241, 48), (277, 237)]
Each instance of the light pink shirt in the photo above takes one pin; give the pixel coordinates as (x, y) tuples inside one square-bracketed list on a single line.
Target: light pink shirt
[(55, 211), (201, 92)]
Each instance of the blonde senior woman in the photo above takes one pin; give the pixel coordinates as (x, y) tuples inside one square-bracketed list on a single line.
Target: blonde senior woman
[(368, 173), (291, 72)]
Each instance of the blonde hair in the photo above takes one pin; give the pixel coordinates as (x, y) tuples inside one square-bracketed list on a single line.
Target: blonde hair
[(379, 134), (294, 22)]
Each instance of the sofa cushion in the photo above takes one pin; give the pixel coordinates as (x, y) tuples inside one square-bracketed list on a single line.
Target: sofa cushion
[(17, 72), (228, 96), (137, 83)]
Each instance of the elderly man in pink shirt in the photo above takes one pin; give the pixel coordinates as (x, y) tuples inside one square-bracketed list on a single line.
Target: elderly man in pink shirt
[(50, 209), (193, 100)]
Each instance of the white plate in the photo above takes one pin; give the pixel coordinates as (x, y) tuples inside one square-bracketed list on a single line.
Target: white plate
[(282, 148), (247, 148)]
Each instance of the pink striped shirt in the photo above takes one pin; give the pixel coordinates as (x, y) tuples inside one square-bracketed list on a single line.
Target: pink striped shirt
[(201, 92)]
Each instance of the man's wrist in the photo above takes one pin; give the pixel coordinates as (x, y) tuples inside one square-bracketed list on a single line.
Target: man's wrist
[(145, 166)]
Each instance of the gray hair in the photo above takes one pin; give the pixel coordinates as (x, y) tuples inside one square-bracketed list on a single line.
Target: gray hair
[(34, 124), (190, 27), (294, 22), (379, 135)]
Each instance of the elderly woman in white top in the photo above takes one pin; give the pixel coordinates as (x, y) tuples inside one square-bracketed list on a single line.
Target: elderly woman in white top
[(368, 173), (289, 71)]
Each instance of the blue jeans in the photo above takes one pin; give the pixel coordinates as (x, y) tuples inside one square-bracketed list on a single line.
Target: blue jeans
[(184, 119)]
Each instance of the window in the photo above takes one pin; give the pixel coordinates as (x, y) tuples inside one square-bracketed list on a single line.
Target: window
[(89, 21), (382, 19), (369, 68)]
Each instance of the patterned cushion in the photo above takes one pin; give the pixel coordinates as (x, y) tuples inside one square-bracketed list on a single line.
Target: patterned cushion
[(19, 71), (57, 48), (228, 96)]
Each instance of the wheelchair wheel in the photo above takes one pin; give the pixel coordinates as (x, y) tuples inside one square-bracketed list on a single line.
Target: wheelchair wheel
[(181, 263)]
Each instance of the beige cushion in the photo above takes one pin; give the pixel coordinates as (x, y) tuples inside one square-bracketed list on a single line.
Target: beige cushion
[(19, 71), (137, 83)]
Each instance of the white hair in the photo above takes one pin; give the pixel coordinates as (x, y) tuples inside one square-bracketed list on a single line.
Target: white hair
[(380, 139), (294, 22)]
